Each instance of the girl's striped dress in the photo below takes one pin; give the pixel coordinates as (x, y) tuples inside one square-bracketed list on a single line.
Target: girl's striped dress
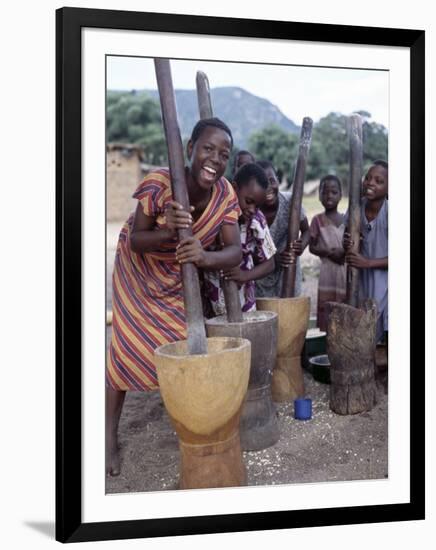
[(147, 294)]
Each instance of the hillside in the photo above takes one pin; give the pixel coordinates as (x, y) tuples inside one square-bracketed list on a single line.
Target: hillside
[(242, 111)]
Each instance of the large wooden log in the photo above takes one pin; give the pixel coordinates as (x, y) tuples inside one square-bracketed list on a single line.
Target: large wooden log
[(350, 347), (196, 332), (230, 288), (288, 277)]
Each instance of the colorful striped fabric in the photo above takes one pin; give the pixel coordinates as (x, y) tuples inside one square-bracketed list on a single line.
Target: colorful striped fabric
[(147, 298)]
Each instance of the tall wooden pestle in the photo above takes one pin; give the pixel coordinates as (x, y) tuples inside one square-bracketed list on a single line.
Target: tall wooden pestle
[(230, 288), (289, 273), (355, 190), (196, 333)]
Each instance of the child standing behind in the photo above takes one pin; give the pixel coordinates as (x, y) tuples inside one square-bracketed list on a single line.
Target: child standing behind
[(326, 235), (258, 247), (242, 157), (372, 261), (276, 211)]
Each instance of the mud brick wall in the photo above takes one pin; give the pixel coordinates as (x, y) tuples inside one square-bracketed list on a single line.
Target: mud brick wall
[(124, 173)]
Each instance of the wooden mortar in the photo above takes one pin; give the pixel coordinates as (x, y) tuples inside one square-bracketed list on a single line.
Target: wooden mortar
[(293, 319), (350, 348), (258, 426), (203, 395)]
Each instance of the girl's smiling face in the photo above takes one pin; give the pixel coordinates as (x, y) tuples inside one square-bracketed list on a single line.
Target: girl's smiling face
[(250, 195), (273, 189), (375, 184), (330, 194), (209, 156)]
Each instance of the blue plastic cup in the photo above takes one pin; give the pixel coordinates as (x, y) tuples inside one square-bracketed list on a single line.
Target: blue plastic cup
[(303, 409)]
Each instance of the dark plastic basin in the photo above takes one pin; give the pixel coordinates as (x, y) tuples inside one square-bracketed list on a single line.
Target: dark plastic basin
[(315, 342), (320, 366)]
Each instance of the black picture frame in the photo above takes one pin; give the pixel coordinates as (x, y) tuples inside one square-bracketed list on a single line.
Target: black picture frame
[(69, 525)]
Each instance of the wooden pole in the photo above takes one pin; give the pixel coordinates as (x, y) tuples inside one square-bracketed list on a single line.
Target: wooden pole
[(356, 162), (288, 277), (203, 95), (196, 333), (230, 288)]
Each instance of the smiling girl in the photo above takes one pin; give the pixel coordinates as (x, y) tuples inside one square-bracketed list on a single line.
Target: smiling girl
[(258, 247), (326, 234), (148, 308), (372, 259), (276, 211)]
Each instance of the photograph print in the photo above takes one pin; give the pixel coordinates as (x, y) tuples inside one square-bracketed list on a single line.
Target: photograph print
[(246, 274)]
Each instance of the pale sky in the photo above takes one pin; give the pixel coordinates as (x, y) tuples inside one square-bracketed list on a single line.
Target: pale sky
[(297, 91)]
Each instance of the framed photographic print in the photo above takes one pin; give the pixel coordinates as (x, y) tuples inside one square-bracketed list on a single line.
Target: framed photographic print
[(265, 77)]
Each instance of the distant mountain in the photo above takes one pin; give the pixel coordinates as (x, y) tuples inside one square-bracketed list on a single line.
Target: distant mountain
[(243, 112)]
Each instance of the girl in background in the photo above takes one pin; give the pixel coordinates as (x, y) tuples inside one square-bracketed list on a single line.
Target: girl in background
[(326, 235), (258, 247), (276, 212), (242, 157), (372, 259)]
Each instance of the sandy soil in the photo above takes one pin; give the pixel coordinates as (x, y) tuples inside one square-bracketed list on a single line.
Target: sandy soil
[(329, 447)]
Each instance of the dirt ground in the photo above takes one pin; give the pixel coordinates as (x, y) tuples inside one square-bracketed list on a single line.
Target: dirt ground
[(329, 447)]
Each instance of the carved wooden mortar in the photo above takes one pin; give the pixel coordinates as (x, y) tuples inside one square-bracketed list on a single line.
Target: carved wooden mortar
[(203, 395), (351, 339), (293, 318), (258, 427)]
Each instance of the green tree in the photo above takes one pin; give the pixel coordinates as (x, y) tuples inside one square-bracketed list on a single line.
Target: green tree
[(135, 118), (375, 140), (329, 153), (330, 139), (279, 147), (155, 146), (329, 149)]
